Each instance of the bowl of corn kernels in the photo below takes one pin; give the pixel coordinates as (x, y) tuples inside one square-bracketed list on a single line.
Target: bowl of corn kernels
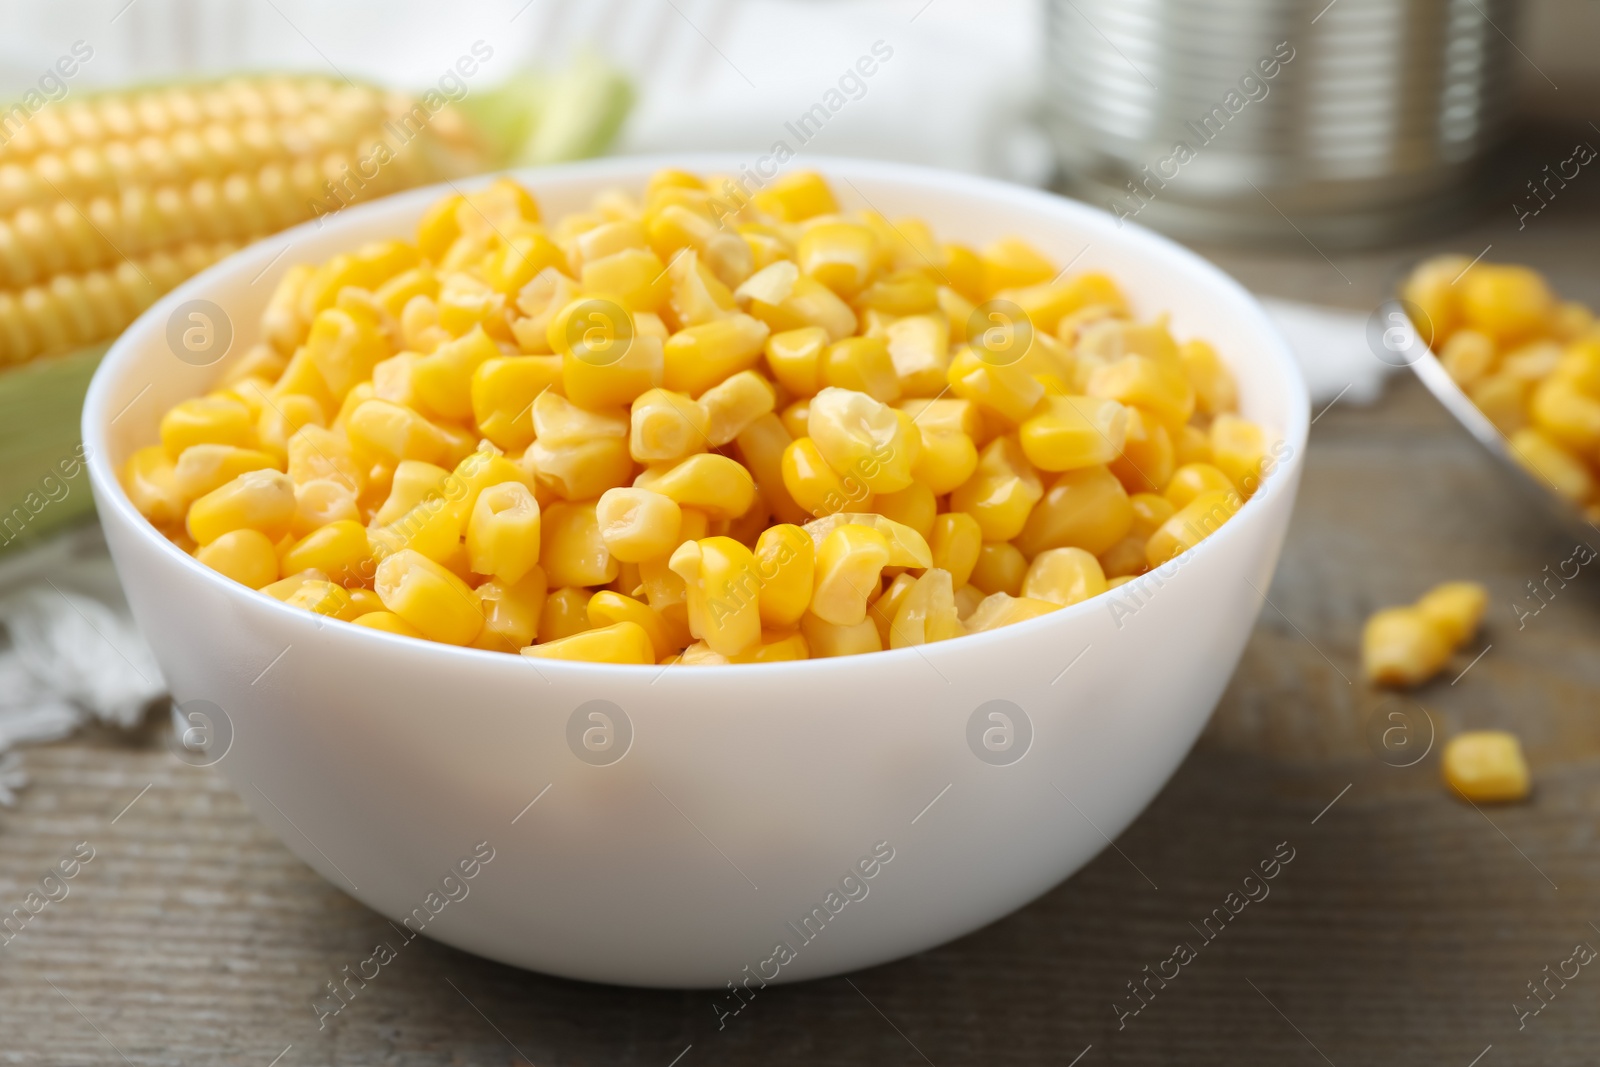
[(730, 555), (1519, 367)]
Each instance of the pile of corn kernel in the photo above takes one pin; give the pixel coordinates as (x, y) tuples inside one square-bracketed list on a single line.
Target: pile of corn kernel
[(1530, 362), (700, 428), (1408, 645)]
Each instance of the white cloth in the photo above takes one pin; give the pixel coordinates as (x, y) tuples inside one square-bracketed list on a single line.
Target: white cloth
[(73, 653), (1331, 347)]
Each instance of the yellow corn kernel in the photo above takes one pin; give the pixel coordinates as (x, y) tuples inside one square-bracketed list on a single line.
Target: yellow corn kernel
[(466, 303), (320, 501), (1552, 465), (432, 527), (1007, 390), (539, 303), (1191, 524), (607, 609), (861, 364), (340, 550), (1064, 576), (388, 622), (503, 391), (908, 291), (956, 544), (882, 609), (1150, 511), (785, 560), (927, 613), (317, 453), (364, 601), (1485, 766), (1560, 410), (1011, 263), (394, 294), (944, 461), (605, 239), (782, 298), (1068, 432), (412, 482), (1433, 288), (1467, 356), (245, 555), (300, 376), (511, 612), (919, 352), (573, 551), (698, 357), (324, 598), (1215, 391), (710, 482), (1002, 492), (219, 420), (797, 196), (440, 605), (258, 500), (1156, 386), (345, 346), (667, 427), (795, 359), (1580, 365), (442, 380), (734, 404), (636, 277), (285, 586), (1086, 508), (913, 506), (638, 524), (796, 418), (1456, 608), (202, 468), (580, 471), (775, 647), (613, 370), (722, 588), (1501, 397), (840, 255), (698, 295), (565, 612), (861, 438), (1192, 479), (390, 433), (1239, 450), (761, 447), (1191, 445), (1003, 609), (1125, 559), (850, 560), (508, 268), (827, 639), (624, 642), (1000, 568), (1509, 303), (1533, 361), (503, 532), (283, 416), (907, 547), (1047, 304), (1402, 646)]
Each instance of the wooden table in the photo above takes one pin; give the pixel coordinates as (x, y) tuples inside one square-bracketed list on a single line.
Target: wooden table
[(1404, 931)]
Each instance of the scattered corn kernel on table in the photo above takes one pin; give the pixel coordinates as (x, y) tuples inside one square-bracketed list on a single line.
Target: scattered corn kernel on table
[(1402, 925)]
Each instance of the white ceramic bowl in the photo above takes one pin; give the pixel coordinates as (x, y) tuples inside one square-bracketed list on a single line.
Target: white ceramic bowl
[(744, 795)]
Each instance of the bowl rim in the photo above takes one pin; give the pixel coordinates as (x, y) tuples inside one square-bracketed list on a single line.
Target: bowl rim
[(264, 253)]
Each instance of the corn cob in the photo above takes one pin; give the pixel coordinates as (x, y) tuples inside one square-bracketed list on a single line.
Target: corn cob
[(107, 203)]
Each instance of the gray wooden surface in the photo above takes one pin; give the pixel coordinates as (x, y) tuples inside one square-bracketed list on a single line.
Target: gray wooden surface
[(1404, 931)]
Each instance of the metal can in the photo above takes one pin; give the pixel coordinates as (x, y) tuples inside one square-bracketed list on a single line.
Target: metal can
[(1350, 122)]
